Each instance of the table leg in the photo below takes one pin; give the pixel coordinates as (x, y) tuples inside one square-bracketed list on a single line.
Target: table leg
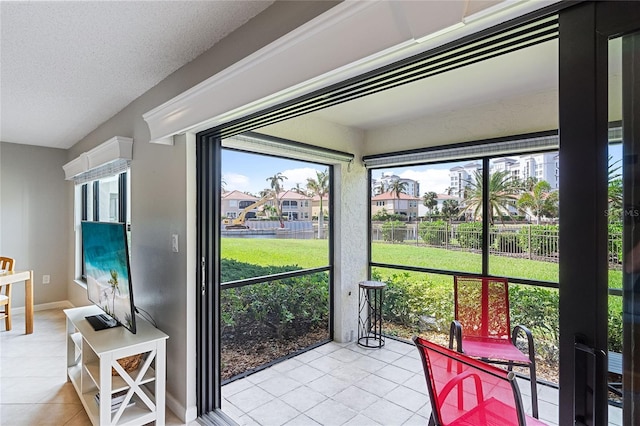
[(28, 304)]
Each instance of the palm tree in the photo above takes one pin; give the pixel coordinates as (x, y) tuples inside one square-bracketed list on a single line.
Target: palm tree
[(299, 189), (114, 288), (320, 187), (275, 182), (539, 200), (450, 209), (615, 189), (502, 194), (430, 200), (397, 188)]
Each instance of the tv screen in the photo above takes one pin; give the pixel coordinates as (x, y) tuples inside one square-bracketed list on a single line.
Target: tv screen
[(107, 268)]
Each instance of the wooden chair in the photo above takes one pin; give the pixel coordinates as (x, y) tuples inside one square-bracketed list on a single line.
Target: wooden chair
[(466, 391), (6, 263), (482, 327)]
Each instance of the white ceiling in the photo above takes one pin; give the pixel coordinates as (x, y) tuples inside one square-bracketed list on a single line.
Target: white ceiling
[(524, 72), (58, 58)]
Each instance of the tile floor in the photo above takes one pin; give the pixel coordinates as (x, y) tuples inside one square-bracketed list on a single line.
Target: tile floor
[(33, 384), (334, 384), (345, 384)]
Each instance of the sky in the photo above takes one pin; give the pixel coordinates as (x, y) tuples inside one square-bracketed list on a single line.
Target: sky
[(248, 172)]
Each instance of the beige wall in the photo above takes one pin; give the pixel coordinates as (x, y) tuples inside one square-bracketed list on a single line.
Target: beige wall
[(33, 218)]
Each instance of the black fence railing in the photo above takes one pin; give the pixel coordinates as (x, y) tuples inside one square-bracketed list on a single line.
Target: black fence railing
[(536, 242)]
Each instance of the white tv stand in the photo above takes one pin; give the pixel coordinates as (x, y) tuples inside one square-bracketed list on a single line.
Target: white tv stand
[(92, 354)]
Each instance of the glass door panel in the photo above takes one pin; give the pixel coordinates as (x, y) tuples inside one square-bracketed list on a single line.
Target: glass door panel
[(624, 228)]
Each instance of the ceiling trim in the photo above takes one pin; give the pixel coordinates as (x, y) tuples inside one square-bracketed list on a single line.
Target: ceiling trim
[(242, 90), (100, 158)]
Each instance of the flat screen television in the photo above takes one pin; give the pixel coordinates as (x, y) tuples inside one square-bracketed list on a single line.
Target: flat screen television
[(108, 274)]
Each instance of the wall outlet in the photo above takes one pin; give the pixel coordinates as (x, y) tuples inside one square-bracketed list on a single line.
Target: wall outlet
[(46, 279)]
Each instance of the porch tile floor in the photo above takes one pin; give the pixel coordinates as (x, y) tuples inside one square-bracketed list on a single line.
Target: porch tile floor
[(345, 384)]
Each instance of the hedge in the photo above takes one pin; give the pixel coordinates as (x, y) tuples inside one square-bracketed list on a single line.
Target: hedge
[(280, 308)]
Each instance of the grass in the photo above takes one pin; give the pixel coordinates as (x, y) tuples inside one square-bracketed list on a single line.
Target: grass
[(276, 252), (315, 253)]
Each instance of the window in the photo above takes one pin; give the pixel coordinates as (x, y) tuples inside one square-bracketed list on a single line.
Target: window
[(275, 270), (105, 199)]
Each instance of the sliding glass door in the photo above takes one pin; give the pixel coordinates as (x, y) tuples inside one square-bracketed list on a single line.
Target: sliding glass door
[(600, 267)]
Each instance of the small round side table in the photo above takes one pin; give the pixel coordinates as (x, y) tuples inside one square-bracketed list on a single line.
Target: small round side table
[(370, 300)]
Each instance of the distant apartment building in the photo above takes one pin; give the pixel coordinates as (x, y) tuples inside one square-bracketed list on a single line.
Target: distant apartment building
[(460, 176), (383, 184), (405, 204), (542, 166)]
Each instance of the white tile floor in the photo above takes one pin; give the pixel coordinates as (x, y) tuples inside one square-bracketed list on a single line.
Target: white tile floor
[(334, 384), (345, 384), (33, 383)]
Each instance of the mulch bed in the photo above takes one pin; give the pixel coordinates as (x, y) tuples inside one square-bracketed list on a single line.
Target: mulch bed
[(239, 357)]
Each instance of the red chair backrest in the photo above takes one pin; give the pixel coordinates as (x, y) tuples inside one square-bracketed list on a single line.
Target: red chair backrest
[(467, 390), (482, 306)]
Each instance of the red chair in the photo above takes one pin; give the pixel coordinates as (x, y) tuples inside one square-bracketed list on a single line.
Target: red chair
[(482, 328), (465, 391)]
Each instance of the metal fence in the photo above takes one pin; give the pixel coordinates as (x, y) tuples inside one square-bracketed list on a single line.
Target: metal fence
[(536, 242)]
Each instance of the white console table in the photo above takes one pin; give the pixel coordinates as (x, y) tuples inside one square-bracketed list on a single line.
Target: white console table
[(92, 354)]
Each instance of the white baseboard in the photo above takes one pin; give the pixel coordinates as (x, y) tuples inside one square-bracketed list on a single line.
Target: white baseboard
[(186, 415), (62, 304)]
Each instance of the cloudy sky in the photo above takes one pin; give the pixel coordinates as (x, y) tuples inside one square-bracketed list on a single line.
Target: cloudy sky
[(248, 172)]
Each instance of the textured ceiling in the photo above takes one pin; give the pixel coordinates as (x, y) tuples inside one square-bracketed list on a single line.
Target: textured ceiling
[(57, 58)]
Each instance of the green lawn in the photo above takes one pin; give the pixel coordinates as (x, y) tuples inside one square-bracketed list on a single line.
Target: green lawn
[(315, 253), (276, 252)]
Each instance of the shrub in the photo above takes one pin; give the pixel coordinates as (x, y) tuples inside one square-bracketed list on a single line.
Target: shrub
[(543, 239), (507, 242), (433, 233), (383, 215), (281, 308), (470, 235), (537, 309), (615, 324), (394, 231), (407, 298)]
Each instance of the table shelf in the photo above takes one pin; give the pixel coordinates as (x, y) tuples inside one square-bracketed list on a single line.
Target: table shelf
[(92, 354)]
